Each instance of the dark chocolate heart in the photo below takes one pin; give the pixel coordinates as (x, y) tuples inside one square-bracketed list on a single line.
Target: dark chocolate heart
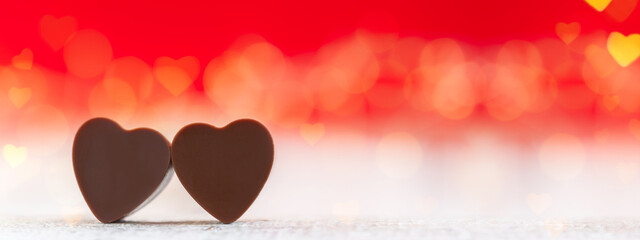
[(119, 171), (223, 169)]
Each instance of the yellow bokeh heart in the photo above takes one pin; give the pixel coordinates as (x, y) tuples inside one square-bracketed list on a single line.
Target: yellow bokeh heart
[(624, 49), (24, 60), (538, 203), (312, 132), (19, 96), (599, 5), (568, 31), (176, 75), (14, 155)]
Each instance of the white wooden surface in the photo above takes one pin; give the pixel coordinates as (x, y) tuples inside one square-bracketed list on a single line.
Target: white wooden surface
[(469, 228)]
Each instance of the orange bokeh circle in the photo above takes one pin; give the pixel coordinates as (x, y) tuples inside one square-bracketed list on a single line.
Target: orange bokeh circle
[(87, 53)]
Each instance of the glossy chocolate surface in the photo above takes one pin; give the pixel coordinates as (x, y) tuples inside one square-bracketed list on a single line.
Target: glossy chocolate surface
[(224, 169), (118, 171)]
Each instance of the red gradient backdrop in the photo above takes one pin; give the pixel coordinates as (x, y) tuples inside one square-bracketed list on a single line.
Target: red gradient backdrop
[(395, 48), (149, 29), (532, 93)]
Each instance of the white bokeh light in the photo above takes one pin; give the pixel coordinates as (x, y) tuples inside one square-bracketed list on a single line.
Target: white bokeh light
[(398, 155)]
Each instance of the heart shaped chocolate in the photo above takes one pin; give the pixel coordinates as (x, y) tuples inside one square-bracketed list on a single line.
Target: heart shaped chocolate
[(224, 169), (119, 171)]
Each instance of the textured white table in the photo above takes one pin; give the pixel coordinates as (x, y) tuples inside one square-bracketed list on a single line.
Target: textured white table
[(468, 228)]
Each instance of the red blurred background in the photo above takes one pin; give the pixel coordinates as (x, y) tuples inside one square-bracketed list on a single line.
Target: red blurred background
[(482, 106), (149, 29)]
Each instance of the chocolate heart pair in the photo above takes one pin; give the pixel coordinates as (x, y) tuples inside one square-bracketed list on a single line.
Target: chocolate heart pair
[(120, 171)]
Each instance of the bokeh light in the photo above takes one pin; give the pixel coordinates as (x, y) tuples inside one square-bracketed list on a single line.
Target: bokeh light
[(133, 71), (562, 156), (87, 53), (56, 31), (176, 75), (407, 119), (43, 129), (113, 98), (398, 155)]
